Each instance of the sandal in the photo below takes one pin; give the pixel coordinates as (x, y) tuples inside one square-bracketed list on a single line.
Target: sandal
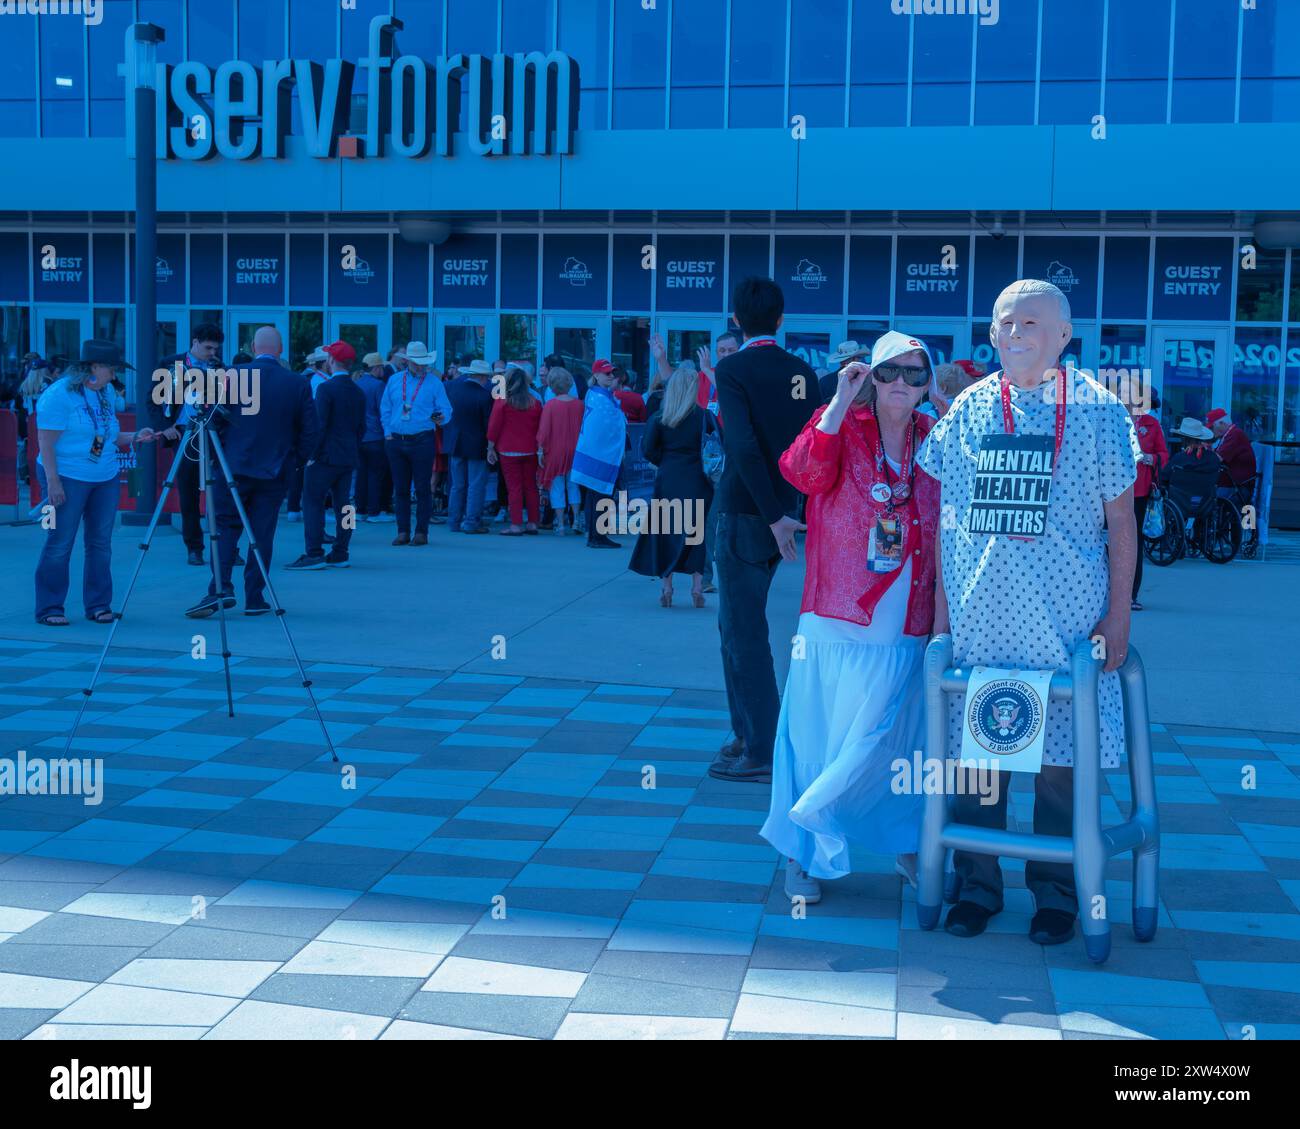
[(697, 598), (104, 616), (53, 621)]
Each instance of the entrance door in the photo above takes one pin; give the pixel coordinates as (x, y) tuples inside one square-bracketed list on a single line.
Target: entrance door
[(578, 340), (683, 337), (811, 340), (945, 339), (1190, 371), (365, 332), (458, 336), (59, 333), (246, 323)]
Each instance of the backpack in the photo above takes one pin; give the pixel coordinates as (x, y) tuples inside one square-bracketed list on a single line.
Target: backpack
[(712, 455)]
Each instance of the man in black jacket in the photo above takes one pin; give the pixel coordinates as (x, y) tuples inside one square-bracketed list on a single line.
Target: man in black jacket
[(341, 408), (464, 440), (261, 440), (169, 420), (765, 396)]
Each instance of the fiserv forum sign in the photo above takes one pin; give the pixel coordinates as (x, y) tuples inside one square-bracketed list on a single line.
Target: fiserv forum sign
[(517, 104)]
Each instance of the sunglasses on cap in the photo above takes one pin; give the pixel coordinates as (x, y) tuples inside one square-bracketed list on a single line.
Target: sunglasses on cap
[(914, 376)]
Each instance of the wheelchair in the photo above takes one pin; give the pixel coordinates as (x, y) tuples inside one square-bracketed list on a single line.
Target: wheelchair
[(1197, 521)]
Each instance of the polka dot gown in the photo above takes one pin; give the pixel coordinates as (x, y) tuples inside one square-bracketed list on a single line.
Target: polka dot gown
[(1028, 603)]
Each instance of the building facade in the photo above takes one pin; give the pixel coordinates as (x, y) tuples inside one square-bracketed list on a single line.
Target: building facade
[(505, 178)]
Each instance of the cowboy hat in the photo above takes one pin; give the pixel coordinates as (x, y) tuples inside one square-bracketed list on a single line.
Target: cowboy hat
[(477, 368), (1193, 428), (371, 360), (318, 356), (418, 354), (100, 352), (846, 351)]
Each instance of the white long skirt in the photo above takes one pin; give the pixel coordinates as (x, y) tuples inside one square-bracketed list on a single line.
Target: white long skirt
[(852, 706)]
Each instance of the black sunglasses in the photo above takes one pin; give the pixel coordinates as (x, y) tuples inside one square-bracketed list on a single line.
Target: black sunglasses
[(915, 376)]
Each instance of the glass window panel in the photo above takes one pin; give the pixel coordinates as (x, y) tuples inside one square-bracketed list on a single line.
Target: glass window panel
[(1137, 41), (18, 79), (109, 324), (1004, 67), (210, 30), (878, 74), (1259, 290), (1291, 400), (818, 43), (1205, 61), (1185, 378), (63, 80), (105, 40), (107, 118), (936, 103), (1270, 64), (422, 28), (1270, 100), (1134, 101), (630, 347), (696, 107), (584, 35), (312, 36), (1128, 268), (880, 105), (758, 43), (306, 332), (261, 30), (699, 30), (526, 25), (519, 338), (1256, 366), (756, 106), (1070, 89), (168, 15), (1123, 347), (640, 64), (471, 27), (941, 67)]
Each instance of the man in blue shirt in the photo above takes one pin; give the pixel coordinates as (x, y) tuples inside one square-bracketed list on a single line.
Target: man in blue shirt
[(413, 406), (262, 442), (374, 460)]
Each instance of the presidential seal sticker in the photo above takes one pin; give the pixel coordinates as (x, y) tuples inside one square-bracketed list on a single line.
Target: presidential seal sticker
[(1005, 719)]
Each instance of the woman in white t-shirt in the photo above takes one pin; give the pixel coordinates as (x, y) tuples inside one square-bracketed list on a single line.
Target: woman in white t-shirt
[(79, 442)]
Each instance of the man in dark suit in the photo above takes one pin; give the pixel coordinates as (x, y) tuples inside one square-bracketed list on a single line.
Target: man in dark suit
[(170, 419), (766, 396), (341, 408), (465, 441), (261, 441)]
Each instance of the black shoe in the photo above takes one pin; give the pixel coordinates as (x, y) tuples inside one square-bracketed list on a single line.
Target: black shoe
[(728, 754), (402, 539), (261, 607), (744, 769), (420, 539), (477, 529), (966, 919), (603, 543), (1051, 927), (307, 564), (210, 605), (195, 557), (337, 560)]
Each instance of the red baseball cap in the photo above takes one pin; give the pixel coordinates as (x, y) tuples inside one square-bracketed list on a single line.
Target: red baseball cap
[(342, 352), (1214, 416), (601, 366)]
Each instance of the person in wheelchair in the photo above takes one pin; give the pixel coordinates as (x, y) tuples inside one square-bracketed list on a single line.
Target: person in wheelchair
[(1237, 479), (1192, 474)]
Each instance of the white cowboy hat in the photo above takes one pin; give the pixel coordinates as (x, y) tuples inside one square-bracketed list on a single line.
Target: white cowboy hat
[(477, 368), (418, 354), (1193, 428), (846, 351), (318, 356)]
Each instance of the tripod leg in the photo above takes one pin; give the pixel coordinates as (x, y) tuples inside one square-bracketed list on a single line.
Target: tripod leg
[(89, 690), (256, 549), (214, 541)]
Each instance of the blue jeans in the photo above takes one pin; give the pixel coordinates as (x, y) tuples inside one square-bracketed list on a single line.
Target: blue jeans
[(465, 503), (95, 505)]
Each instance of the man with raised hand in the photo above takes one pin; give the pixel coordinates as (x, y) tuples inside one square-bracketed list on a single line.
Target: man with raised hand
[(1025, 576)]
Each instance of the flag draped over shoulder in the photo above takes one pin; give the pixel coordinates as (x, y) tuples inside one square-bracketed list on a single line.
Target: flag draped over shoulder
[(601, 442)]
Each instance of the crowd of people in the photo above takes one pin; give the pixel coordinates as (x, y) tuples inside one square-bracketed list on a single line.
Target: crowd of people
[(863, 459)]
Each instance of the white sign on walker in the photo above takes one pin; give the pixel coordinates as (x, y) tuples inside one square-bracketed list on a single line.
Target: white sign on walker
[(1006, 719)]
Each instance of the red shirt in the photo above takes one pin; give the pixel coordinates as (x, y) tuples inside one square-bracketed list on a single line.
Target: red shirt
[(837, 473), (558, 437), (1238, 457), (632, 404), (1151, 438), (513, 431)]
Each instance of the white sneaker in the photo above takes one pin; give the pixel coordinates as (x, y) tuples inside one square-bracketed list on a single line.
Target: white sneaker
[(799, 885)]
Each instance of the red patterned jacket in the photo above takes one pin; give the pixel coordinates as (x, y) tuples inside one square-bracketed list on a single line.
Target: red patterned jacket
[(837, 473)]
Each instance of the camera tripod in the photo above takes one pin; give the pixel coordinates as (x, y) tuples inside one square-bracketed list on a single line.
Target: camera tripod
[(197, 437)]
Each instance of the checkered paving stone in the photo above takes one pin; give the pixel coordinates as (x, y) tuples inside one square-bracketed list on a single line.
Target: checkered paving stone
[(496, 867)]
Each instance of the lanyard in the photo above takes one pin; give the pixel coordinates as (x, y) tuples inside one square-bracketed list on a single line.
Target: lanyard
[(882, 462), (1010, 424), (418, 386), (97, 416), (756, 341)]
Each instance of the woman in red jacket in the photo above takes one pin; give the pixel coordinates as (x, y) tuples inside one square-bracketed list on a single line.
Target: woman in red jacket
[(1155, 455), (853, 698), (512, 440)]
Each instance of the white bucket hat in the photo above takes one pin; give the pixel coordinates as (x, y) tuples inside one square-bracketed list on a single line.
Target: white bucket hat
[(894, 344), (846, 351), (1193, 428), (418, 354)]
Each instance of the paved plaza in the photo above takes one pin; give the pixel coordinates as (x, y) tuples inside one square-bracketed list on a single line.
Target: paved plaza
[(499, 868)]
